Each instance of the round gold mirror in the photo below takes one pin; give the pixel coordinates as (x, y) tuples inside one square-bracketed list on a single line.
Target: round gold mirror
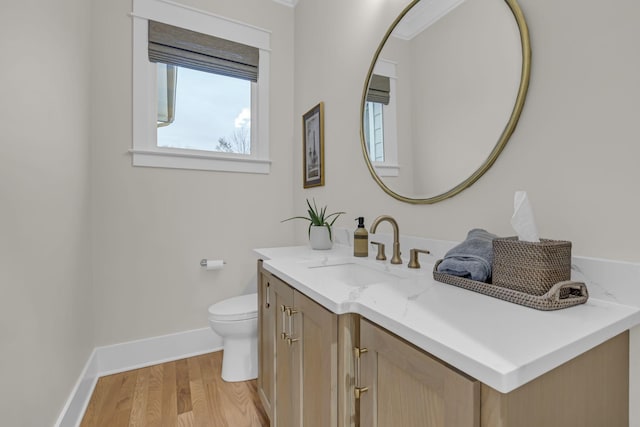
[(443, 95)]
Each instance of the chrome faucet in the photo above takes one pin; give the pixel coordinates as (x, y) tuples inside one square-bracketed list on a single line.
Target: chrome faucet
[(395, 259)]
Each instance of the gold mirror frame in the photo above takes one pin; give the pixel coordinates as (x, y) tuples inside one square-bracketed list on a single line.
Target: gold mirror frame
[(506, 133)]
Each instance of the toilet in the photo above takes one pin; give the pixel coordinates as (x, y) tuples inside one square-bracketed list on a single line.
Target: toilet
[(236, 321)]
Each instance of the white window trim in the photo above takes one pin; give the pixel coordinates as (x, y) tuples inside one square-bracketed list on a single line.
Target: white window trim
[(145, 151), (389, 167)]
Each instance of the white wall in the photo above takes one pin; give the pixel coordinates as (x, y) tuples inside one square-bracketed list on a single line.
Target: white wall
[(46, 317), (152, 226)]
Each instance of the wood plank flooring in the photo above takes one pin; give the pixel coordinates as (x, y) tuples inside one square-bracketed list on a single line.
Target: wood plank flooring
[(186, 392)]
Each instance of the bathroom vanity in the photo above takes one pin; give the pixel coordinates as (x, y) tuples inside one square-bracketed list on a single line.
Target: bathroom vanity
[(345, 341)]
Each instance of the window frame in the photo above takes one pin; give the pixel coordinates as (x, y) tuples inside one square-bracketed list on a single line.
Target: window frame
[(145, 151)]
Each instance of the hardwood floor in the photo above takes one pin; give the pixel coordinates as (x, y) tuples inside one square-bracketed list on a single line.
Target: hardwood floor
[(187, 392)]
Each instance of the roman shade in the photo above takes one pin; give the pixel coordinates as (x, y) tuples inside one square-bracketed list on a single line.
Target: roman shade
[(379, 89), (185, 48)]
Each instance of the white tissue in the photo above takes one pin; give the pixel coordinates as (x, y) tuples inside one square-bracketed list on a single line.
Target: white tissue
[(522, 220), (214, 264)]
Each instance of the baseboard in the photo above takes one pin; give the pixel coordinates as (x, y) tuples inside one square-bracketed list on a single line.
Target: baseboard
[(78, 400), (122, 357), (150, 351)]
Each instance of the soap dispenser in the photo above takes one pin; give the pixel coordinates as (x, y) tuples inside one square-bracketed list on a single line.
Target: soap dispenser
[(360, 239)]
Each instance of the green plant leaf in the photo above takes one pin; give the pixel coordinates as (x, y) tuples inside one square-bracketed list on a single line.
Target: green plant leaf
[(296, 217), (317, 216)]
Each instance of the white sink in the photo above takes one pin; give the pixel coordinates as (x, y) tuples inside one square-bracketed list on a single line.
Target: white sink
[(356, 274)]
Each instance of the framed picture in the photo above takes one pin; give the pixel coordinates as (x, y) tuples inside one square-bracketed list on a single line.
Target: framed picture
[(313, 146)]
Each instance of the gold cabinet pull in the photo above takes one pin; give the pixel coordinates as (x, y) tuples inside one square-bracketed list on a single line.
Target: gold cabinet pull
[(267, 300), (283, 334), (358, 352), (360, 390), (290, 312)]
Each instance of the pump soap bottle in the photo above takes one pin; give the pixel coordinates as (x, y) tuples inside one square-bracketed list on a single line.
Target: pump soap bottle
[(360, 239)]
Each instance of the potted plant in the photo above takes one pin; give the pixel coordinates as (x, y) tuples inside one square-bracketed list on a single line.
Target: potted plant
[(320, 223)]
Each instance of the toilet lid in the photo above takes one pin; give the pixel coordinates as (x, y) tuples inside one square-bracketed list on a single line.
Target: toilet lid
[(236, 308)]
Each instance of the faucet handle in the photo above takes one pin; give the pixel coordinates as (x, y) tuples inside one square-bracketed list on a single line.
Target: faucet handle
[(381, 255), (413, 262)]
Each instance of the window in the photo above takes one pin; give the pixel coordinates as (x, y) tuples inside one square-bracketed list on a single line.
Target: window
[(200, 90), (209, 112), (380, 129), (374, 130)]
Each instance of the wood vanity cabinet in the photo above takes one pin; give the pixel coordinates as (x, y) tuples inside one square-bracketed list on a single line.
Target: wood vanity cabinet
[(298, 353), (407, 387), (314, 371)]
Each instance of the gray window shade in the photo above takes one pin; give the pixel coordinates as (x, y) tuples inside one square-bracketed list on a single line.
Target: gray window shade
[(184, 48), (379, 89)]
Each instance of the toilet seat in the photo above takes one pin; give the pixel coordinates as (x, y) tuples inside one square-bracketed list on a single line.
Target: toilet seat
[(242, 307)]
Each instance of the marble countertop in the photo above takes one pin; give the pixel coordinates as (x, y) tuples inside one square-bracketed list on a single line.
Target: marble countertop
[(501, 344)]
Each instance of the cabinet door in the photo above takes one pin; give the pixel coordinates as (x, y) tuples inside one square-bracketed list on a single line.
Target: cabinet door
[(283, 404), (407, 387), (266, 341), (590, 390), (315, 365), (298, 357)]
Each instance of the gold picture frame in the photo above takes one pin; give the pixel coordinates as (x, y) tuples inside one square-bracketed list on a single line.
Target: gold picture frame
[(313, 147)]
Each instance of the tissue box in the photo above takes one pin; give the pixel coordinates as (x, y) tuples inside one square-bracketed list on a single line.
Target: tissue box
[(530, 267)]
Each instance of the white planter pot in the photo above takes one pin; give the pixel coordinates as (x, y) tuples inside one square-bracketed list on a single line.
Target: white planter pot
[(319, 238)]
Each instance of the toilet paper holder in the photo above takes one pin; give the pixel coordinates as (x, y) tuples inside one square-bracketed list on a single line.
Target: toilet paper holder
[(203, 262)]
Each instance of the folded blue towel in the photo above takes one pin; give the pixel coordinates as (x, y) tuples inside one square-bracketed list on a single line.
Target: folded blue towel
[(471, 259)]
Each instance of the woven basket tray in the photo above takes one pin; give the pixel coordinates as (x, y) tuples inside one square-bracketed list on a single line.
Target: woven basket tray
[(561, 295), (530, 267)]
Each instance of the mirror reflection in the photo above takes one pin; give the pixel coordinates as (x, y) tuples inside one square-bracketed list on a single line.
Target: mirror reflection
[(440, 99)]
